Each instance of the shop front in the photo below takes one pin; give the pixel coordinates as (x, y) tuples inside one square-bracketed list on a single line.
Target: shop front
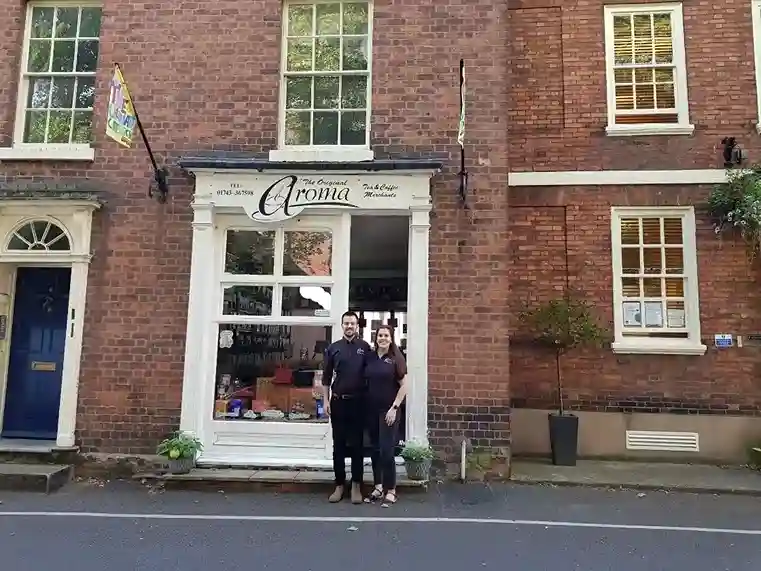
[(280, 251)]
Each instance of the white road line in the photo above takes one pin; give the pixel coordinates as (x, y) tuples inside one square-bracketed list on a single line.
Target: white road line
[(350, 519)]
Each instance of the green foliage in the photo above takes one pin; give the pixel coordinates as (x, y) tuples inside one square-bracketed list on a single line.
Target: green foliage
[(179, 445), (416, 452), (564, 324), (736, 205)]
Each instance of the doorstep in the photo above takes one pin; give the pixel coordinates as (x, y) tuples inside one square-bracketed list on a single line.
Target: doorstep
[(19, 450), (250, 480), (697, 478), (44, 478)]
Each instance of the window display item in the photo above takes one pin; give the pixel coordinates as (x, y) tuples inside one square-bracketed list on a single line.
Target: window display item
[(298, 412), (320, 407), (235, 407), (266, 374)]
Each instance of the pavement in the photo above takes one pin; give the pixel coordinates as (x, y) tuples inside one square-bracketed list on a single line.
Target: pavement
[(641, 475), (123, 526)]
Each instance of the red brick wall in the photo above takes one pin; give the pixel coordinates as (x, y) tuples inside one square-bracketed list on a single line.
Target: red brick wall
[(557, 108), (207, 77), (721, 382), (557, 104)]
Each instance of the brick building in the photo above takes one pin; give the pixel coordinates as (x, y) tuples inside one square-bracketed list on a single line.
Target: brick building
[(616, 120), (188, 313), (209, 311)]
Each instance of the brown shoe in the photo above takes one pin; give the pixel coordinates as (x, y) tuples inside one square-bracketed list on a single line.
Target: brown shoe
[(356, 493), (337, 495)]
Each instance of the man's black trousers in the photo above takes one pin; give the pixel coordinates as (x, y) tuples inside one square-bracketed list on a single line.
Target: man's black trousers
[(347, 419)]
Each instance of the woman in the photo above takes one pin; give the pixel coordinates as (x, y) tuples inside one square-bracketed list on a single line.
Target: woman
[(386, 375)]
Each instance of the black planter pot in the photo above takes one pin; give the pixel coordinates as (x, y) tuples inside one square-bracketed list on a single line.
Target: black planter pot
[(564, 438)]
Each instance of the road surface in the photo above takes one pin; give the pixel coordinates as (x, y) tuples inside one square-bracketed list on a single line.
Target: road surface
[(124, 527)]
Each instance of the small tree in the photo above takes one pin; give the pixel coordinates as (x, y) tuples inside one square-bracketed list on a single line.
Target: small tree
[(562, 325)]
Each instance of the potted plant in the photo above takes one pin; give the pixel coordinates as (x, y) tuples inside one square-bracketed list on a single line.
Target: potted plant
[(735, 205), (562, 325), (180, 450), (418, 458)]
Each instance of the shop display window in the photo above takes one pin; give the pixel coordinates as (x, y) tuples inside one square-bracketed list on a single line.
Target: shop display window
[(274, 325), (270, 372)]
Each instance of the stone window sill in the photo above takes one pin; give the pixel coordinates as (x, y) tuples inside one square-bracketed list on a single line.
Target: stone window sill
[(657, 347), (28, 152), (322, 154), (648, 129)]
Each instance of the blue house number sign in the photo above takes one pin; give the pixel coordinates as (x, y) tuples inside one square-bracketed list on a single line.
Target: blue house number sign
[(723, 341)]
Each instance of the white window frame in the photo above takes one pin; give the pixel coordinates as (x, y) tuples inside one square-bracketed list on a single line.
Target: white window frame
[(756, 20), (45, 151), (683, 127), (691, 345), (321, 153), (277, 280)]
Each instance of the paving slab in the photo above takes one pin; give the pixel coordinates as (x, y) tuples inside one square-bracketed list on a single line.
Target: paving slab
[(227, 474), (326, 477), (274, 476), (641, 475), (33, 477)]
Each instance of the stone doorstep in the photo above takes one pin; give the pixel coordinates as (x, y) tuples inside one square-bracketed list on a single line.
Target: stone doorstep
[(244, 480), (36, 452), (44, 478)]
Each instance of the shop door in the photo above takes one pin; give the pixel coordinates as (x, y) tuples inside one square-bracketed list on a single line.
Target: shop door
[(38, 339)]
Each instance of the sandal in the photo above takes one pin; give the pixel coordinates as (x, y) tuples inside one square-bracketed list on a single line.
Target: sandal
[(389, 500), (374, 496)]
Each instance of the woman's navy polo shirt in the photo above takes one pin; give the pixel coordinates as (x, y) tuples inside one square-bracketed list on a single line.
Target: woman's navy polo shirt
[(384, 375)]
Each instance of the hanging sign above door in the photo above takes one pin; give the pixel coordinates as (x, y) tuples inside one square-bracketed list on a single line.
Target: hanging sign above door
[(274, 198)]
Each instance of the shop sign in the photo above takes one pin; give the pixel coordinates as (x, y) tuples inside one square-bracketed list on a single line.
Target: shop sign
[(278, 198)]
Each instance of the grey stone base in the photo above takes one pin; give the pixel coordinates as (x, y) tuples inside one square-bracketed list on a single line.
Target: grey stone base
[(249, 480), (44, 478)]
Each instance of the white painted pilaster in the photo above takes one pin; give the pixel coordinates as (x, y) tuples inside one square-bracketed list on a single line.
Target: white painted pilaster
[(200, 301), (339, 297), (80, 229), (67, 411), (417, 324)]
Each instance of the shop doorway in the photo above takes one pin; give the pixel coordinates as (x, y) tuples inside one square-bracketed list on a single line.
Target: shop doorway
[(38, 341), (378, 272)]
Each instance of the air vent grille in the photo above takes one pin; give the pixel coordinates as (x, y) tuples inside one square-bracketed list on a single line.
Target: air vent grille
[(655, 440)]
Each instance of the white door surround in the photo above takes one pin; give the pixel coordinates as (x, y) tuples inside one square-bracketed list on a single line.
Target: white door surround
[(74, 218), (225, 199)]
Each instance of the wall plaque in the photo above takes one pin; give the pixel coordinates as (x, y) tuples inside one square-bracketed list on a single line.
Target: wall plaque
[(752, 340)]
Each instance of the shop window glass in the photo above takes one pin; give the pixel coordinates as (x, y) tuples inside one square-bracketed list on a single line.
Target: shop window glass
[(270, 373), (306, 301), (247, 300), (307, 253), (250, 252)]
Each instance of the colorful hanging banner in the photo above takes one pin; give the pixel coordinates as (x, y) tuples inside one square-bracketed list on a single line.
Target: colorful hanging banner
[(122, 118)]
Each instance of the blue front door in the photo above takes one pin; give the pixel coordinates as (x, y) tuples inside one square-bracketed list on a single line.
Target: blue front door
[(38, 338)]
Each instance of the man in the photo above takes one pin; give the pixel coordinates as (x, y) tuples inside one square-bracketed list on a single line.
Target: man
[(344, 403)]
